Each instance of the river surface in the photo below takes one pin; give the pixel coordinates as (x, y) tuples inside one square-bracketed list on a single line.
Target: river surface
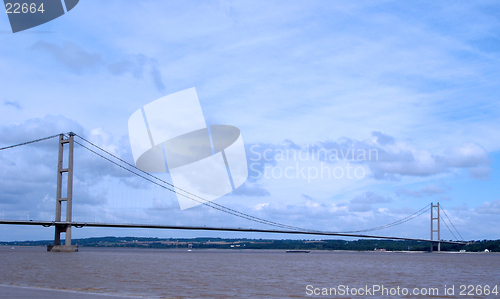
[(156, 273)]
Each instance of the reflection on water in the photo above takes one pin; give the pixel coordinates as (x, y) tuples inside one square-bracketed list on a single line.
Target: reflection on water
[(242, 274)]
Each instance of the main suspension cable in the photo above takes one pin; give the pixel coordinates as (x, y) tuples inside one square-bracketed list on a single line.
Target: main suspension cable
[(225, 209), (29, 142), (448, 227), (398, 222), (451, 222), (190, 195)]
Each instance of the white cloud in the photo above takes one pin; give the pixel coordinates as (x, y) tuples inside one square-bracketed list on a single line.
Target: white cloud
[(426, 191), (386, 157), (78, 60), (251, 189), (365, 202), (36, 128), (14, 104), (492, 207), (403, 159)]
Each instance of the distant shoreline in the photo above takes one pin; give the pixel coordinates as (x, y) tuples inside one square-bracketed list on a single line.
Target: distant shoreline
[(243, 243)]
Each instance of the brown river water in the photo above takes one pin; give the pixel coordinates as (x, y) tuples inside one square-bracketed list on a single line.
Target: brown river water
[(27, 272)]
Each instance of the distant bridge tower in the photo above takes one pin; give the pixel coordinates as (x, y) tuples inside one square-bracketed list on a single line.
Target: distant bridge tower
[(435, 222), (60, 225)]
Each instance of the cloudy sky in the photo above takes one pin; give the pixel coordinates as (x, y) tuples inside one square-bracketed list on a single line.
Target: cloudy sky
[(414, 84)]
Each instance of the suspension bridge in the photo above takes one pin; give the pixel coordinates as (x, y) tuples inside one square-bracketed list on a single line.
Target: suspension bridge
[(64, 194)]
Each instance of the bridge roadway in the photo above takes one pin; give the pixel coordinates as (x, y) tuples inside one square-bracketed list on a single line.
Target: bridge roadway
[(239, 229)]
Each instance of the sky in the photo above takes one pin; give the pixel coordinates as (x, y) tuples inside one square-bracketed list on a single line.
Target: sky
[(315, 87)]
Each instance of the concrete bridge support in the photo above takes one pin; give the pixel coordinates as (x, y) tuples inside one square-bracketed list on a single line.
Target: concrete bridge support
[(435, 222), (64, 227)]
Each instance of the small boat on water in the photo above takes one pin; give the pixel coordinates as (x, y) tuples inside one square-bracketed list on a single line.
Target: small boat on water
[(298, 251)]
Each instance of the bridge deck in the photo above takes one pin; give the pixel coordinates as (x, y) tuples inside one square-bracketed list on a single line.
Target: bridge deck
[(239, 229)]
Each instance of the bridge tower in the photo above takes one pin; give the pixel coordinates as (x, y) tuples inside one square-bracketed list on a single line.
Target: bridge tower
[(60, 225), (435, 222)]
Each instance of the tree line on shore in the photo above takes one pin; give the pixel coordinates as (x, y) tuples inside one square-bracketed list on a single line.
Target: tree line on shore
[(227, 243)]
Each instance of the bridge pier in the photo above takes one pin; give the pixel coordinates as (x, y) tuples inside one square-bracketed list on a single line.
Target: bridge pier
[(64, 227), (438, 230)]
